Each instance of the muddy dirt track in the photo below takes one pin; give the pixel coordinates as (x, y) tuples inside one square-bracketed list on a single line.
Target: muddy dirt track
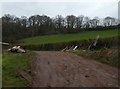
[(60, 69)]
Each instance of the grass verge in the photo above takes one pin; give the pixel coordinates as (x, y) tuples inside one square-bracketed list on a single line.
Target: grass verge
[(107, 56), (11, 62)]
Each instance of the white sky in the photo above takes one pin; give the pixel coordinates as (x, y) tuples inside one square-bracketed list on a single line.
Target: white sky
[(90, 8)]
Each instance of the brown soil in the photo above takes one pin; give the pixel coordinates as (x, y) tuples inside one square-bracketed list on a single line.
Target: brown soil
[(60, 69)]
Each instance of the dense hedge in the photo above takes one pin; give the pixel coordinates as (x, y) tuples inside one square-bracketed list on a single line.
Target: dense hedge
[(106, 42)]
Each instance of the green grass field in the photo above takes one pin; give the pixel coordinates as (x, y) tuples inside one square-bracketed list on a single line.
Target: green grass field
[(11, 62), (69, 37)]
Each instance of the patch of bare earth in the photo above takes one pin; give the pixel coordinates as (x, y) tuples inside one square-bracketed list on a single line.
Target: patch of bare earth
[(60, 69)]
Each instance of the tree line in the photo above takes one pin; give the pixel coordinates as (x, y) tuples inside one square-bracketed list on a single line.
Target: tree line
[(14, 27)]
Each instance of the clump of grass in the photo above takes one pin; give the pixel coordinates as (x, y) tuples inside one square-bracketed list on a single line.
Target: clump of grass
[(11, 62), (107, 56)]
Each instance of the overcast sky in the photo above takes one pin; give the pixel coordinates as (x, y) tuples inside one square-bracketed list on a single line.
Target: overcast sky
[(90, 8)]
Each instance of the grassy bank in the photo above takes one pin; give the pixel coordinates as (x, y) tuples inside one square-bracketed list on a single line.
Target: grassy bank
[(107, 56), (69, 37), (11, 62)]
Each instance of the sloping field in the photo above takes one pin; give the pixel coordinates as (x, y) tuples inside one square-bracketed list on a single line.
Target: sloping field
[(69, 37)]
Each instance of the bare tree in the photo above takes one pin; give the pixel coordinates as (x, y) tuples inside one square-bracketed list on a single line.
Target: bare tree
[(86, 22), (109, 21), (79, 21), (94, 22), (59, 21), (70, 21), (24, 21)]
